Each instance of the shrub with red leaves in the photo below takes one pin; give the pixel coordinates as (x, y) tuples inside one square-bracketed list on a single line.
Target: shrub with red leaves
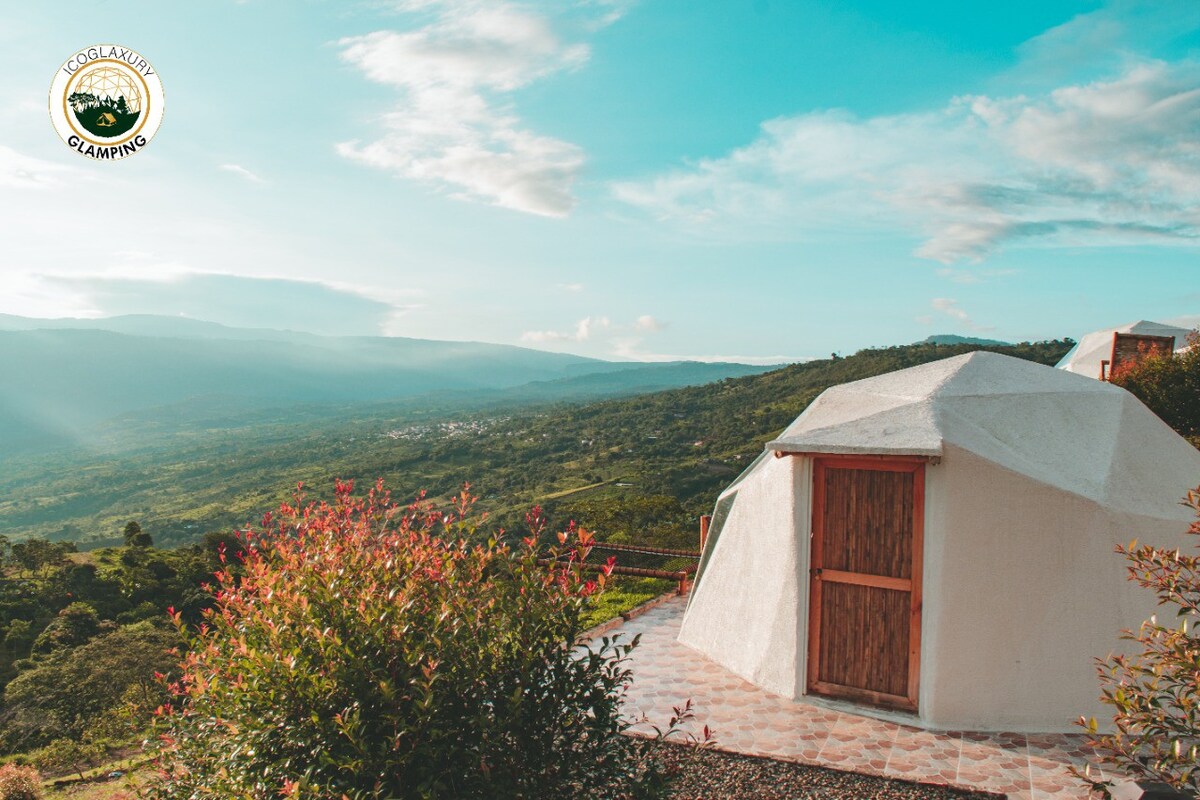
[(1169, 384), (1155, 692), (19, 783), (368, 651)]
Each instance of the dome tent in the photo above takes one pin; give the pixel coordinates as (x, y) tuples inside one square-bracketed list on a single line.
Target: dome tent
[(1095, 349), (940, 540)]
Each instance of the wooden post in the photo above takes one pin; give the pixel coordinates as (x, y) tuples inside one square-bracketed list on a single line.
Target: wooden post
[(705, 519)]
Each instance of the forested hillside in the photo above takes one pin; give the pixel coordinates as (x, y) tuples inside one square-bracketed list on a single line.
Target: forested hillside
[(84, 632), (673, 449)]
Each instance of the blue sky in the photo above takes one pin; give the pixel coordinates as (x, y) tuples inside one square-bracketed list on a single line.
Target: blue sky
[(747, 179)]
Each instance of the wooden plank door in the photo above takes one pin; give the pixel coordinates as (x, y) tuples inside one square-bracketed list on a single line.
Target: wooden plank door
[(864, 632)]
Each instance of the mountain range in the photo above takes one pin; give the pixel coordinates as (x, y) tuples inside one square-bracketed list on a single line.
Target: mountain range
[(71, 379)]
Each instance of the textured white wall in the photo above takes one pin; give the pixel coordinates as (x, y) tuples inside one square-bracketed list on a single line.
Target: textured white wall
[(1022, 591), (748, 607)]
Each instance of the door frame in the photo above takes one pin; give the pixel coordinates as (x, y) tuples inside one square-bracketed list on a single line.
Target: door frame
[(817, 576)]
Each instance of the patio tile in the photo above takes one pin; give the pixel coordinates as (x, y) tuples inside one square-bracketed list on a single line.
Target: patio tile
[(925, 756), (748, 720)]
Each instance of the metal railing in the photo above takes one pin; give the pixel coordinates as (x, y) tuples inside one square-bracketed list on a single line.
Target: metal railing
[(643, 560)]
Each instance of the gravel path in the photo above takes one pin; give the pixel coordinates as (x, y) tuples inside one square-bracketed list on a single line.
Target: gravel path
[(716, 775)]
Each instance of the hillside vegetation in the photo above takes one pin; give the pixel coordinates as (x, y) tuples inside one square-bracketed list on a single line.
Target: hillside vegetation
[(83, 632), (666, 453)]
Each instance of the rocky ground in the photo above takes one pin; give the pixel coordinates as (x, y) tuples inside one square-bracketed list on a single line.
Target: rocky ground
[(713, 774)]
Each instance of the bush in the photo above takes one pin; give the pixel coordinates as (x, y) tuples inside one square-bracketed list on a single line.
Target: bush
[(73, 626), (368, 651), (19, 783), (1155, 695), (68, 755), (1169, 385)]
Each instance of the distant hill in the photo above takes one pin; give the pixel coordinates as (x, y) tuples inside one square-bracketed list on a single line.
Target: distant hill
[(66, 378), (953, 338), (684, 443)]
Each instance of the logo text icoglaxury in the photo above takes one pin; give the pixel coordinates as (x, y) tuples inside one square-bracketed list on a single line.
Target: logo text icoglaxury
[(106, 102)]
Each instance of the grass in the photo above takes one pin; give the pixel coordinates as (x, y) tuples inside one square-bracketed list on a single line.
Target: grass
[(98, 786), (578, 490), (623, 594)]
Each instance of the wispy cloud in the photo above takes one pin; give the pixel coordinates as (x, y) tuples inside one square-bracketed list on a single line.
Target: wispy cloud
[(242, 172), (21, 171), (145, 285), (1107, 162), (454, 124), (628, 342), (951, 308), (602, 333), (648, 324), (973, 276), (1101, 40), (632, 351), (584, 331)]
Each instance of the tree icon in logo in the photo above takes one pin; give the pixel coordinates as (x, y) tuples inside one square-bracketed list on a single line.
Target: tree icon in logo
[(106, 101)]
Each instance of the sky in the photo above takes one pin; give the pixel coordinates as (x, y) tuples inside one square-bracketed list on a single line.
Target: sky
[(751, 180)]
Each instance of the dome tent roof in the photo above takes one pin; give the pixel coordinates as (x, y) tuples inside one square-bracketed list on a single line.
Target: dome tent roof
[(1080, 435), (1085, 357)]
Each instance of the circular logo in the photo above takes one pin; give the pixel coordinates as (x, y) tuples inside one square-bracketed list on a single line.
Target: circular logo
[(106, 102)]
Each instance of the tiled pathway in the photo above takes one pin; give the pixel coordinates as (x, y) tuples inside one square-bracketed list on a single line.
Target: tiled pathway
[(747, 719)]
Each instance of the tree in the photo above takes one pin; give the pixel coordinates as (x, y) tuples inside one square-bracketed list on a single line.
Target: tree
[(38, 555), (1169, 384), (74, 625), (368, 651), (216, 543), (135, 537), (81, 101), (69, 755), (65, 694), (1155, 694)]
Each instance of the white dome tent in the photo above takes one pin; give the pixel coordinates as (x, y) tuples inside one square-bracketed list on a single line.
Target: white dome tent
[(1092, 356), (962, 517)]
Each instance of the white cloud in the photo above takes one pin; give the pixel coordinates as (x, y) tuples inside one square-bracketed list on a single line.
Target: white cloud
[(1102, 39), (453, 125), (241, 172), (1101, 163), (584, 330), (625, 341), (20, 171), (145, 285), (630, 349), (968, 276), (952, 309), (648, 324), (593, 327), (571, 287)]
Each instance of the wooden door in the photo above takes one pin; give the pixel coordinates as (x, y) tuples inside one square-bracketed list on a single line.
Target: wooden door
[(864, 632)]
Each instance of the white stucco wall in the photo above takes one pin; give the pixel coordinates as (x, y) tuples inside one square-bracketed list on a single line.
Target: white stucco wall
[(748, 609), (1022, 591)]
